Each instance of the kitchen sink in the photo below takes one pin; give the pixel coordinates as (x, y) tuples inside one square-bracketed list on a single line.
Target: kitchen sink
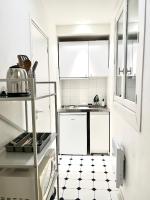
[(83, 107)]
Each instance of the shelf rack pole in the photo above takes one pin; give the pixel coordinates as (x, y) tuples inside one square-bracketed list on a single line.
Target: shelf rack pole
[(57, 139), (34, 138), (26, 115)]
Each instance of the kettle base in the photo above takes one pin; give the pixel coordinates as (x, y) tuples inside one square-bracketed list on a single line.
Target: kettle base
[(22, 94)]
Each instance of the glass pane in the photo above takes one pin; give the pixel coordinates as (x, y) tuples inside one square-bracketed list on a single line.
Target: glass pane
[(132, 46), (119, 70)]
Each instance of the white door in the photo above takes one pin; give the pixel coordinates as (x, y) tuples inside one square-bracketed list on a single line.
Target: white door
[(98, 58), (40, 53), (73, 133), (39, 43), (99, 132), (73, 59)]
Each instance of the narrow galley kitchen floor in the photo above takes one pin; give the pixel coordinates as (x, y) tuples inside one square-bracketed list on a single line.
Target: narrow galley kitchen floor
[(86, 178)]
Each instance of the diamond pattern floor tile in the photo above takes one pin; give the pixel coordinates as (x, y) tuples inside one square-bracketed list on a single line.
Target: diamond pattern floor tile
[(86, 178)]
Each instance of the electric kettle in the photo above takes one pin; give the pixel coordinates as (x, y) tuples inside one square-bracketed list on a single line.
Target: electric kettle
[(17, 87), (96, 99)]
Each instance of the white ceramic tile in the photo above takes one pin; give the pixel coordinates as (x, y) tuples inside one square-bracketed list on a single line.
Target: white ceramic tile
[(72, 183), (102, 194), (63, 167), (114, 195), (74, 92), (64, 163), (86, 89), (84, 84), (84, 184), (99, 168), (111, 176), (87, 168), (66, 92), (84, 96), (86, 194), (70, 194), (73, 175), (75, 100), (86, 175), (112, 185), (65, 84), (61, 192), (62, 173), (75, 84), (74, 168), (76, 161), (66, 100), (100, 176), (61, 182), (87, 163), (100, 185)]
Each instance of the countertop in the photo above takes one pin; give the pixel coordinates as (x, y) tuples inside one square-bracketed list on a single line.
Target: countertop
[(82, 108)]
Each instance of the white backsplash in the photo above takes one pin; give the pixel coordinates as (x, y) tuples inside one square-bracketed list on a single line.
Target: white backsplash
[(82, 91)]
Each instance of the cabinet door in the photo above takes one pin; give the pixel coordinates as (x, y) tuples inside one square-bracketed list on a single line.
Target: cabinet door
[(98, 58), (99, 132), (130, 58), (135, 54), (73, 133), (73, 59)]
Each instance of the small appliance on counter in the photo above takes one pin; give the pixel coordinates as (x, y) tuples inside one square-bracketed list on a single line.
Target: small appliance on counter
[(19, 86), (17, 75), (103, 104), (96, 100)]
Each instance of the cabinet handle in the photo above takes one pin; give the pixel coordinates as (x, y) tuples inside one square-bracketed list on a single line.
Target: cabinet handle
[(129, 71), (72, 119), (121, 71)]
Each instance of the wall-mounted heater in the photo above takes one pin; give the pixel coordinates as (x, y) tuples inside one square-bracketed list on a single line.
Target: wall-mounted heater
[(119, 158)]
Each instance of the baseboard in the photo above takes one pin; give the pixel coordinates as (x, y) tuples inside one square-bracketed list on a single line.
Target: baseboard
[(120, 195)]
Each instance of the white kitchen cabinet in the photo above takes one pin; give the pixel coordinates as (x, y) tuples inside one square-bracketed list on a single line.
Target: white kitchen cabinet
[(73, 59), (99, 132), (98, 58), (73, 133), (83, 59)]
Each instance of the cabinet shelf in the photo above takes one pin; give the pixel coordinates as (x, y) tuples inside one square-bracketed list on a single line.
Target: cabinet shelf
[(24, 160), (29, 98), (32, 160)]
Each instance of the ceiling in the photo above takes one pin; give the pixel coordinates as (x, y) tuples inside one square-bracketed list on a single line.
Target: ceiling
[(67, 12)]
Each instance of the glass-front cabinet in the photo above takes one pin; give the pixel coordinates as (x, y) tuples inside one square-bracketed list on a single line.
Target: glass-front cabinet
[(127, 40), (132, 50), (129, 57), (119, 66)]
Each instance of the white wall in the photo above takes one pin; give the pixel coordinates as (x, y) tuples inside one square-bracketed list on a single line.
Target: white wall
[(83, 29), (82, 92), (137, 148), (15, 35), (15, 39), (68, 12)]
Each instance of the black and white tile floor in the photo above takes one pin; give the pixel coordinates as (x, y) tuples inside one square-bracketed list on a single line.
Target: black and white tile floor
[(86, 178)]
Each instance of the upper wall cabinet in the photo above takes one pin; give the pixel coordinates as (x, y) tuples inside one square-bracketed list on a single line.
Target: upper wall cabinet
[(73, 59), (129, 57), (98, 58), (83, 59)]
